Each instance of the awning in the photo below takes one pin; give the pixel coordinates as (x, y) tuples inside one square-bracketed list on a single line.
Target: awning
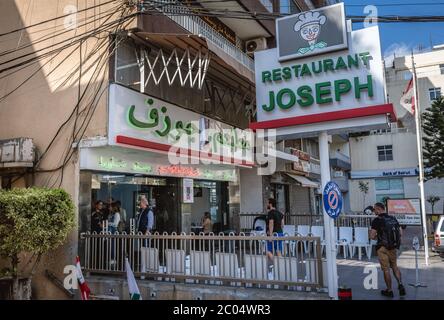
[(305, 182)]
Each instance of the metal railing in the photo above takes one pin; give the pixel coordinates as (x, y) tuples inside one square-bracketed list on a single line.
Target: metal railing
[(340, 156), (183, 17), (234, 260), (246, 220)]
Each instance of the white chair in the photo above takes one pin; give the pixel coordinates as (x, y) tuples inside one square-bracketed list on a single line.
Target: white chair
[(318, 231), (227, 265), (345, 239), (290, 230), (304, 231), (200, 263), (285, 269), (361, 241), (175, 261), (255, 267), (150, 260)]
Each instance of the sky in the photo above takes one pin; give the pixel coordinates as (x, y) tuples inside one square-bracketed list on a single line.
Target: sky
[(401, 38)]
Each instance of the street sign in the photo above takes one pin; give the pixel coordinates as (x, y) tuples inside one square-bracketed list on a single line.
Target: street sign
[(415, 243), (332, 199)]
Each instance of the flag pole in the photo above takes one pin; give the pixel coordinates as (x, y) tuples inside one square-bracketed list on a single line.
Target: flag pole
[(417, 111)]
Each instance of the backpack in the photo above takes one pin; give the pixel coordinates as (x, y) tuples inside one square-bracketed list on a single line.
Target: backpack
[(391, 235)]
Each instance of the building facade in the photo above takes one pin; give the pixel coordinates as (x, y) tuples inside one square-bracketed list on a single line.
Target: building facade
[(84, 87), (388, 160)]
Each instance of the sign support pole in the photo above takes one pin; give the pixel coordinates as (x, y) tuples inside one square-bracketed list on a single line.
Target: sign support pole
[(329, 225), (417, 111)]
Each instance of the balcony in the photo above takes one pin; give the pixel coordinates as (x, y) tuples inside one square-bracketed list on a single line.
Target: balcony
[(181, 15), (340, 160)]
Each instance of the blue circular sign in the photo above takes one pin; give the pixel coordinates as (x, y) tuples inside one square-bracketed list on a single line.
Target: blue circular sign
[(332, 198)]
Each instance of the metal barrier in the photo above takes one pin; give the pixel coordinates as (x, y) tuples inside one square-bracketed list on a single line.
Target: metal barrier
[(246, 221), (184, 17), (236, 260)]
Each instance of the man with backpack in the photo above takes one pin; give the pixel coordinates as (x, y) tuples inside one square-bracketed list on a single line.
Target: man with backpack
[(386, 230)]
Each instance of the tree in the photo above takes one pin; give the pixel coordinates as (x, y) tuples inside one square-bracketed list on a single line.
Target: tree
[(433, 148), (363, 187), (432, 200), (34, 220)]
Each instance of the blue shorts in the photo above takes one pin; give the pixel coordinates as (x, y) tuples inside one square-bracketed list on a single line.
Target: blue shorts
[(276, 244)]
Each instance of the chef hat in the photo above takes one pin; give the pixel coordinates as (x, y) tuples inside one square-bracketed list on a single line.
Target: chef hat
[(307, 18)]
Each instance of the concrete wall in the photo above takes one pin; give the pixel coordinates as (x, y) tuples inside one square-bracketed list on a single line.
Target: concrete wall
[(364, 154), (39, 107), (150, 290), (251, 189)]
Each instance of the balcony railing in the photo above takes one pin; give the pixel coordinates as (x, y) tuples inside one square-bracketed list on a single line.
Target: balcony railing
[(183, 17), (233, 260), (340, 156)]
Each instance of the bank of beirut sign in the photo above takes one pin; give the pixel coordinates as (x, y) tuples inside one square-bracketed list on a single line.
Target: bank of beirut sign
[(143, 121), (406, 172), (316, 87)]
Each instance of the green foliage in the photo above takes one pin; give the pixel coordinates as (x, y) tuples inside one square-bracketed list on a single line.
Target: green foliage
[(433, 147), (34, 220), (363, 187)]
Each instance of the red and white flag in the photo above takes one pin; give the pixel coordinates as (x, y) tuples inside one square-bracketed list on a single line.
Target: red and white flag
[(408, 98), (84, 289)]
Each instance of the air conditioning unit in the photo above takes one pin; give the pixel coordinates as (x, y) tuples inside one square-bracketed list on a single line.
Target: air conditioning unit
[(254, 45), (17, 152)]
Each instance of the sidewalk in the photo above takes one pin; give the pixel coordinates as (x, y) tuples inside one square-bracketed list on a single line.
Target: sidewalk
[(351, 273)]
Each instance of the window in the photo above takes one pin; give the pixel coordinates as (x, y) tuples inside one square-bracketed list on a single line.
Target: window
[(434, 93), (407, 75), (441, 68), (385, 153), (389, 189), (288, 6)]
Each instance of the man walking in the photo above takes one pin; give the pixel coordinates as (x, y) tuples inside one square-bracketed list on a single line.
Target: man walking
[(275, 224), (386, 230)]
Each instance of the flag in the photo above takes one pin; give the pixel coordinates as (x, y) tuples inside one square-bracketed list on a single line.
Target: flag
[(84, 289), (408, 98), (132, 284)]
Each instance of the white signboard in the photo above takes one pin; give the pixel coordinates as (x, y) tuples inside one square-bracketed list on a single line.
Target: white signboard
[(143, 121), (346, 84), (188, 190), (406, 211), (406, 172)]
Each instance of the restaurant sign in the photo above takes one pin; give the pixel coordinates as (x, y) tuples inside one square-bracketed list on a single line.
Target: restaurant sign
[(303, 85), (143, 121)]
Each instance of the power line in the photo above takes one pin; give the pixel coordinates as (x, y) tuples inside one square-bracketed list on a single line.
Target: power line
[(53, 19)]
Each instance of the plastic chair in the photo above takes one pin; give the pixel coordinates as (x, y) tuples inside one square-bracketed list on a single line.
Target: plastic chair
[(345, 240), (361, 241)]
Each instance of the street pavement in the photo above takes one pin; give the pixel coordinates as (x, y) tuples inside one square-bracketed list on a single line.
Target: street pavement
[(351, 273)]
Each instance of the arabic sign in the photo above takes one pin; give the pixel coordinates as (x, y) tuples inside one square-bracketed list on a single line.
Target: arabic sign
[(406, 211), (114, 159), (139, 117), (311, 32)]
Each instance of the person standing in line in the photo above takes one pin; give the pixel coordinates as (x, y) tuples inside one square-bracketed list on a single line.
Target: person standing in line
[(97, 217), (206, 223), (386, 230)]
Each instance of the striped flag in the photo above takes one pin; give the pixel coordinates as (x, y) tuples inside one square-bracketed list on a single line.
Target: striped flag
[(84, 289), (132, 284)]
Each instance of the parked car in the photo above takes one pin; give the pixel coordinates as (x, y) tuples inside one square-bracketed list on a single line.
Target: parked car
[(438, 243)]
